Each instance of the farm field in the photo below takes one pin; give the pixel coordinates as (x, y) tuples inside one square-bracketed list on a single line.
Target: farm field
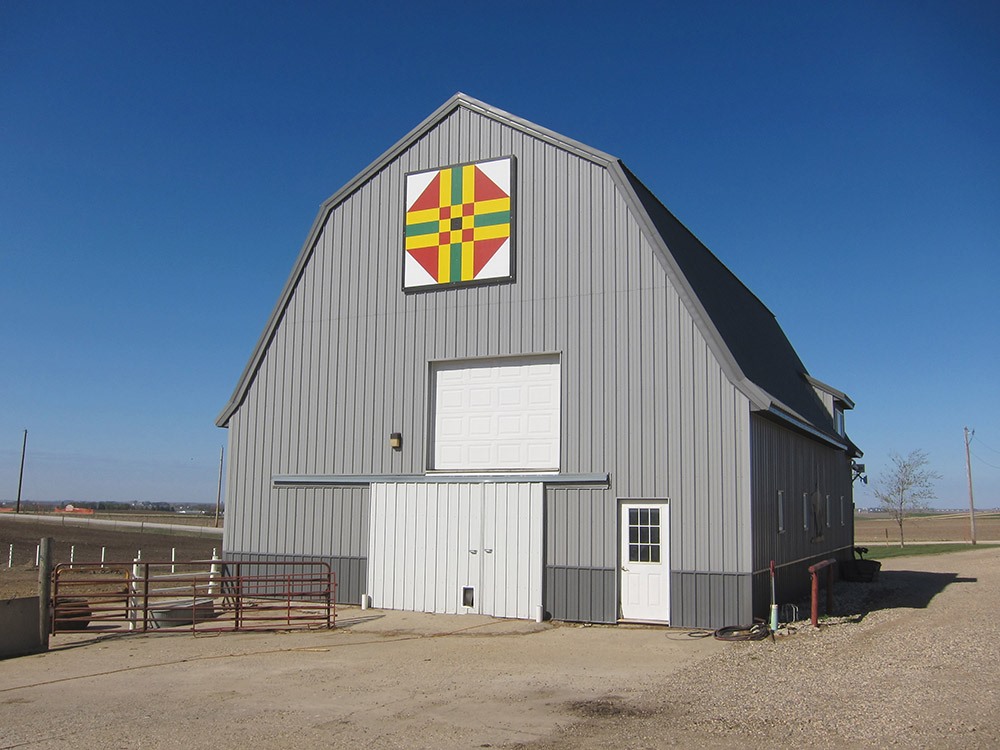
[(941, 527), (121, 546)]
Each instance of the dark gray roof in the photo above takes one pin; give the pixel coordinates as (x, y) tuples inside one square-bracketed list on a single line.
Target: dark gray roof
[(750, 331)]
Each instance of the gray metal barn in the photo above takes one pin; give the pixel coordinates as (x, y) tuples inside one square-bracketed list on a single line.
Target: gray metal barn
[(503, 378)]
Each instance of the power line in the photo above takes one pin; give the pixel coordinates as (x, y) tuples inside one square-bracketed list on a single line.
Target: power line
[(984, 445), (992, 466)]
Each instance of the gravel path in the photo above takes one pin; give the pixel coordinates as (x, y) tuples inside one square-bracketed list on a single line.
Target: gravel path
[(914, 665)]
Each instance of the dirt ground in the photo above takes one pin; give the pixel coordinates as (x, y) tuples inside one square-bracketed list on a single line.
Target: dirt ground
[(912, 662), (950, 527), (121, 546)]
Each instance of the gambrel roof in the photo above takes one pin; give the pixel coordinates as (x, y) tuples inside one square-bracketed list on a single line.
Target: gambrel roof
[(742, 333)]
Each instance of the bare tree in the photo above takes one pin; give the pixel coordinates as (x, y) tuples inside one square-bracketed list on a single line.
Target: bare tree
[(906, 487)]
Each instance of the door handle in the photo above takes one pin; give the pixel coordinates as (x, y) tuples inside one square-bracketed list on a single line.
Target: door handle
[(473, 551), (624, 568), (488, 551)]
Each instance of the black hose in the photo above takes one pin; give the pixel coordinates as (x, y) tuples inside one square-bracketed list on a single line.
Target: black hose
[(756, 632)]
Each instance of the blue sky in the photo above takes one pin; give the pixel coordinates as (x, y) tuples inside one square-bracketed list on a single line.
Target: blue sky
[(161, 164)]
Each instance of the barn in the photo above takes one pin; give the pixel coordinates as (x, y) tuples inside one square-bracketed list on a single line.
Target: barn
[(503, 378)]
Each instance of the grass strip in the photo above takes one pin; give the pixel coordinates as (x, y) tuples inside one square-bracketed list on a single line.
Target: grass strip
[(881, 553)]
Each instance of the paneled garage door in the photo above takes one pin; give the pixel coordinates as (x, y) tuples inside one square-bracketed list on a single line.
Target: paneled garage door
[(496, 414)]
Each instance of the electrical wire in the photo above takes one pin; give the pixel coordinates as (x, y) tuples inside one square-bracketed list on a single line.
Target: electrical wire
[(982, 460), (994, 450)]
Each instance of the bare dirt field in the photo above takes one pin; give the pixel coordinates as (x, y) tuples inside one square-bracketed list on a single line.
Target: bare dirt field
[(911, 661), (946, 527), (121, 546)]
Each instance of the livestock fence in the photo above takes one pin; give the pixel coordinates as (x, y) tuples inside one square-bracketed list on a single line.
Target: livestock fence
[(200, 596)]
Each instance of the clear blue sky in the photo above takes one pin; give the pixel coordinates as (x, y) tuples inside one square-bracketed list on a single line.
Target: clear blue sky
[(161, 165)]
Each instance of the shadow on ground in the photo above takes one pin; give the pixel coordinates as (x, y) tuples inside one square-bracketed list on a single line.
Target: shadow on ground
[(894, 589)]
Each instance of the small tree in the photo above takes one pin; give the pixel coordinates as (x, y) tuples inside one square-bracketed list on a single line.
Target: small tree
[(906, 487)]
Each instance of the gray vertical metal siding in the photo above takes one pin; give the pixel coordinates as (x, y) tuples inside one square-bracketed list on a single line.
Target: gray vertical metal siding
[(644, 397), (787, 461)]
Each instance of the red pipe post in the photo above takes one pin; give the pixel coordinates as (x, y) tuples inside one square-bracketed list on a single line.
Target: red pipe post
[(814, 573)]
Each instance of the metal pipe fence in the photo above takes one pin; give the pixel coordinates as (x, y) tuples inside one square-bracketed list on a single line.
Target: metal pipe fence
[(199, 596)]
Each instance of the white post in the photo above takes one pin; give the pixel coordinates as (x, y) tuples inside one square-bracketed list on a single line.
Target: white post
[(37, 548), (215, 573), (10, 557), (173, 559), (102, 557), (72, 554), (134, 602)]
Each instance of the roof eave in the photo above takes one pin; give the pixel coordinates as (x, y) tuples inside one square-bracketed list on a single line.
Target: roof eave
[(839, 395)]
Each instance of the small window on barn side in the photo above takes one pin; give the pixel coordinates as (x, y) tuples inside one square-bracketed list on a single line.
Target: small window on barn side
[(838, 419), (805, 511), (781, 511)]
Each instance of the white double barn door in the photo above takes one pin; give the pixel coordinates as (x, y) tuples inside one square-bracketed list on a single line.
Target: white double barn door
[(456, 547)]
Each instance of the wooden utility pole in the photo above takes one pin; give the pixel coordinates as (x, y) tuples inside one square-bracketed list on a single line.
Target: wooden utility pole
[(218, 496), (968, 469), (20, 478)]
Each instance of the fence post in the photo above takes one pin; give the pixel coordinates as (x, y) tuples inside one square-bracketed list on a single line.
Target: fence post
[(214, 574), (44, 592), (133, 600)]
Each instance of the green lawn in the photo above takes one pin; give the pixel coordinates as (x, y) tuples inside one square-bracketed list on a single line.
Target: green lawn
[(881, 553)]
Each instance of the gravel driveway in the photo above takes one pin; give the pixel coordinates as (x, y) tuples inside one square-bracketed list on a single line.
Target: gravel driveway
[(915, 665)]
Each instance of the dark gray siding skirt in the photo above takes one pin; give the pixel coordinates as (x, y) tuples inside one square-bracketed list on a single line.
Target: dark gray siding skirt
[(581, 594), (710, 600)]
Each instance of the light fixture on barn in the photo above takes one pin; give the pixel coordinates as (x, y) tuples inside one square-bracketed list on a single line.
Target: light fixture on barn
[(859, 473), (396, 441)]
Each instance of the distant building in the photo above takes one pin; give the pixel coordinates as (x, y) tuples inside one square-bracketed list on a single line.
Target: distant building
[(503, 378)]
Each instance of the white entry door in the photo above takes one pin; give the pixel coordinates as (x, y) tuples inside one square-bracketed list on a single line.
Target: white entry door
[(645, 560)]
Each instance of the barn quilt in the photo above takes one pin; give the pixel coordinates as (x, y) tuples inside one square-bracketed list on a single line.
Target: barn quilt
[(458, 225)]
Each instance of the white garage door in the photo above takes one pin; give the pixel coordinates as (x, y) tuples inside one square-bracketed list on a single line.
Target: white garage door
[(496, 414)]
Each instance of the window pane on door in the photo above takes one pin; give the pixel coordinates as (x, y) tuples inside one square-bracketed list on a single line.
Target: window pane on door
[(644, 528)]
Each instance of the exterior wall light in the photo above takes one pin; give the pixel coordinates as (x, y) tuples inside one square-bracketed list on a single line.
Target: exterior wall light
[(396, 441)]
